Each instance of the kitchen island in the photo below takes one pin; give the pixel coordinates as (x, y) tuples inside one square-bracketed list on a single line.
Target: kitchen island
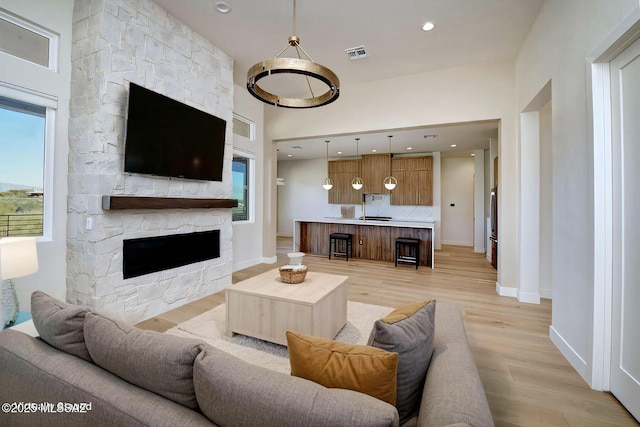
[(374, 240)]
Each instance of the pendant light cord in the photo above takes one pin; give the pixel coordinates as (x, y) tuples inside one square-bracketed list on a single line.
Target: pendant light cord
[(294, 17)]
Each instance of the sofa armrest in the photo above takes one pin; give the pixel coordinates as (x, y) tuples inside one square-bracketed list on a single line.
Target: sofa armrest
[(453, 394), (33, 371)]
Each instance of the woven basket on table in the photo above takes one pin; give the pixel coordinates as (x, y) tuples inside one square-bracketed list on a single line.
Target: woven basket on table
[(289, 275)]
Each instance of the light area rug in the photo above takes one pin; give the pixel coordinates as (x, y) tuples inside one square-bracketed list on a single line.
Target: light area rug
[(210, 328)]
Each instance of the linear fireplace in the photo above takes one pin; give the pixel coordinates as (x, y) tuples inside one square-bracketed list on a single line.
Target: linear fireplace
[(151, 254)]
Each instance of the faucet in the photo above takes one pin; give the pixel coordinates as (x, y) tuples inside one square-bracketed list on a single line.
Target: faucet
[(364, 203)]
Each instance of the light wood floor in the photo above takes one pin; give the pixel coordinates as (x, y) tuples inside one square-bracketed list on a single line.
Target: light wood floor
[(526, 379)]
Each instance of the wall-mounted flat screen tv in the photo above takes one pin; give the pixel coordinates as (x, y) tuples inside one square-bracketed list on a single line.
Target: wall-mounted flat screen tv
[(168, 138)]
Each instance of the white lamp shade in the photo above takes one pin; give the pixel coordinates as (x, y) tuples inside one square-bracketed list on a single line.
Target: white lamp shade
[(327, 184), (390, 182), (357, 183), (18, 257)]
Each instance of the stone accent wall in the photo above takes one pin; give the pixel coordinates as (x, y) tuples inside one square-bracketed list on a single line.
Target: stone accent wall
[(116, 42)]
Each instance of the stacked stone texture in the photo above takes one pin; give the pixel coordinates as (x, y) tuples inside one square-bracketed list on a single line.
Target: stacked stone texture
[(116, 42)]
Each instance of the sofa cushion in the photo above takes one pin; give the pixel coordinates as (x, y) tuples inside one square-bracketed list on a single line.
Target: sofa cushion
[(339, 365), (157, 362), (232, 392), (408, 331), (59, 324)]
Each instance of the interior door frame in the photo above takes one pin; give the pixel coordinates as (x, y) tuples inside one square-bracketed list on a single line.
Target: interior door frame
[(600, 132)]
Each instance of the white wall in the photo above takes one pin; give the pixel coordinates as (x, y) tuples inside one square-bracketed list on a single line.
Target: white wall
[(57, 17), (248, 236), (564, 35), (457, 189), (474, 92), (302, 196)]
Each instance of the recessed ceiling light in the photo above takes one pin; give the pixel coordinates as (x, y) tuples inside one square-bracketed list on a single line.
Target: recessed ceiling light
[(428, 26), (374, 151), (473, 154), (289, 155), (339, 152), (223, 7), (409, 148), (453, 145)]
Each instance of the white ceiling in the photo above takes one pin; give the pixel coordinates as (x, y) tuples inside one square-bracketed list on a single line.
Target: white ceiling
[(467, 137), (467, 31)]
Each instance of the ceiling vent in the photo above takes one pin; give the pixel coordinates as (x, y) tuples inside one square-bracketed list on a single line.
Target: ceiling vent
[(355, 53)]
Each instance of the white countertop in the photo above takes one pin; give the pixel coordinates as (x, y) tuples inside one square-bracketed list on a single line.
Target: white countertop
[(353, 221)]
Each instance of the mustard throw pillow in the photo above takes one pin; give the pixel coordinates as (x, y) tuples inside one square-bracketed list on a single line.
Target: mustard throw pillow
[(408, 331), (334, 364)]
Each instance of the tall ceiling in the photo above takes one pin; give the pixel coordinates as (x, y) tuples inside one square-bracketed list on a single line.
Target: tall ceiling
[(466, 32)]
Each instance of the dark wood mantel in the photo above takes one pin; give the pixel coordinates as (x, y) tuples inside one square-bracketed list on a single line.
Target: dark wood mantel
[(137, 202)]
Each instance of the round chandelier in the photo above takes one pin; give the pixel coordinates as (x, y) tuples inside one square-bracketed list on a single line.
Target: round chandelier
[(306, 67)]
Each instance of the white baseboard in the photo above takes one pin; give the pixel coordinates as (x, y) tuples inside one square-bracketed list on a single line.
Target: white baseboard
[(569, 353), (505, 291), (546, 293), (527, 297), (254, 261), (456, 243)]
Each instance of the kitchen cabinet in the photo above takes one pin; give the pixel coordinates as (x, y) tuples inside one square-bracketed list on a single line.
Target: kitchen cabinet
[(415, 181), (375, 168), (341, 173)]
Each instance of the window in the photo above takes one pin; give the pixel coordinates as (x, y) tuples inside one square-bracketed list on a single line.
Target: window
[(240, 170), (26, 41), (22, 139), (243, 127)]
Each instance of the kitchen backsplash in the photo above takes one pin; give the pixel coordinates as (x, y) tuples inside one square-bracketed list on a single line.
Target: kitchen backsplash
[(379, 205)]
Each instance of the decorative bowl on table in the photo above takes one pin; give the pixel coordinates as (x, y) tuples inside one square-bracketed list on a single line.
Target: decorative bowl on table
[(293, 273)]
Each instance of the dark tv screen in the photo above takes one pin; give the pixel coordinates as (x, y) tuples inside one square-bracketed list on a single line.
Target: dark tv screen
[(168, 138)]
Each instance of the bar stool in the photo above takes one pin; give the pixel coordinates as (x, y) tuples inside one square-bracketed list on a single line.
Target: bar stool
[(334, 243), (413, 246)]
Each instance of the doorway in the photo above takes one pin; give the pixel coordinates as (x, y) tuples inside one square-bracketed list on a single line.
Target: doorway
[(625, 307), (457, 201), (536, 202), (615, 75)]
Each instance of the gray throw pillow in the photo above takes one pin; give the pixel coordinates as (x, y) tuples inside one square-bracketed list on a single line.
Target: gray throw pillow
[(157, 362), (408, 331), (59, 324)]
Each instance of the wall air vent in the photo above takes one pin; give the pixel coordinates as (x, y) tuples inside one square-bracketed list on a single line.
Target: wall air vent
[(355, 53)]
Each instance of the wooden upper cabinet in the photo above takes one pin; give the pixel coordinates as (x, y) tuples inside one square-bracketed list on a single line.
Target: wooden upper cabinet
[(415, 181), (375, 168), (341, 173), (421, 163)]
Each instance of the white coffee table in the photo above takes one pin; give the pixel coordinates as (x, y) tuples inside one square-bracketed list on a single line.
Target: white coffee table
[(263, 307)]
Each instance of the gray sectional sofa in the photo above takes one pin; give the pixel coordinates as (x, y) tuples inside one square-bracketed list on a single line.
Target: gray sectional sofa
[(94, 371)]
